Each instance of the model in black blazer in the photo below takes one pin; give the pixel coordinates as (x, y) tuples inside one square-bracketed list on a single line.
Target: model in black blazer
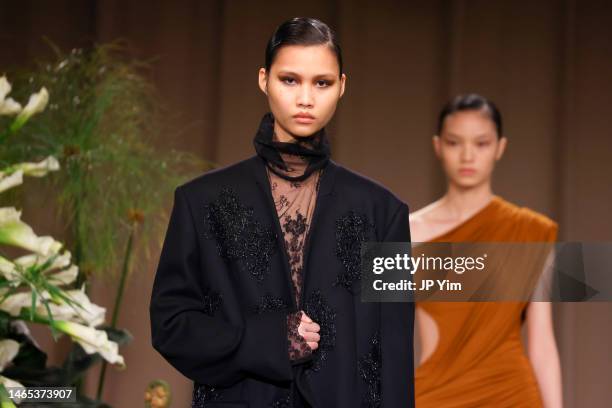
[(223, 290)]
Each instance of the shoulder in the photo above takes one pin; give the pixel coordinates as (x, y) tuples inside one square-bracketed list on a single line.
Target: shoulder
[(422, 224), (211, 181), (350, 183), (537, 223)]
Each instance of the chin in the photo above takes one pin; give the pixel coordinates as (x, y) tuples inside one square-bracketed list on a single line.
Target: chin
[(467, 182), (304, 130)]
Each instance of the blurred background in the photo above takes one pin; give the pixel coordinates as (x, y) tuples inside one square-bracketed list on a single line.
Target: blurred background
[(547, 64)]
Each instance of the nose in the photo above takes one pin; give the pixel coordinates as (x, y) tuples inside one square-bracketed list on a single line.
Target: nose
[(305, 97), (467, 153)]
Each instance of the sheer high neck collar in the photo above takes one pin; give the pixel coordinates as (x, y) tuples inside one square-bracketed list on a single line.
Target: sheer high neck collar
[(294, 161)]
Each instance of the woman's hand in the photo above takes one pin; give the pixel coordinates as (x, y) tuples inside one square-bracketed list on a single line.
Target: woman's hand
[(310, 331)]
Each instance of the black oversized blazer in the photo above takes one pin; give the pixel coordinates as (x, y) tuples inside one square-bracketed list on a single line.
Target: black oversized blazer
[(223, 289)]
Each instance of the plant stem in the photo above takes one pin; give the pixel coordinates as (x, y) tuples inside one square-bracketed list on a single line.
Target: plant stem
[(118, 299), (77, 261), (78, 242)]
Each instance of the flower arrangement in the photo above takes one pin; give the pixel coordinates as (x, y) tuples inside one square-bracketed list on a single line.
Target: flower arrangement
[(98, 118), (35, 287)]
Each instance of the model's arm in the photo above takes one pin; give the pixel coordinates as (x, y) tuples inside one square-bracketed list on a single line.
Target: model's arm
[(202, 345), (543, 354), (397, 330)]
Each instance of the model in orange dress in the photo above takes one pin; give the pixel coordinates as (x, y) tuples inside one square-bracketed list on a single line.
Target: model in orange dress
[(472, 354)]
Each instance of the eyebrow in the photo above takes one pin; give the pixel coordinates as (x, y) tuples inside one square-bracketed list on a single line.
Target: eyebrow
[(325, 75), (459, 136)]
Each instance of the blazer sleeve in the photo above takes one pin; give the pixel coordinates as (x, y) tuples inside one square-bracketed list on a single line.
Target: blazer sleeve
[(396, 332), (208, 349)]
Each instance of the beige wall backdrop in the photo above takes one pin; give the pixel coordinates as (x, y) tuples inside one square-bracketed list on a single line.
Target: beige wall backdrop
[(547, 64)]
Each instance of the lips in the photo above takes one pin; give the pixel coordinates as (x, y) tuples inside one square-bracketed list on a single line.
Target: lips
[(303, 118), (467, 171)]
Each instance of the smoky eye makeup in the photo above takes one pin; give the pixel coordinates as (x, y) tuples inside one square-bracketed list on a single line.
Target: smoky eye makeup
[(323, 83), (286, 79)]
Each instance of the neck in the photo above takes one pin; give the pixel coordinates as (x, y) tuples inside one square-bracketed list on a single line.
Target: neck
[(282, 135), (462, 202)]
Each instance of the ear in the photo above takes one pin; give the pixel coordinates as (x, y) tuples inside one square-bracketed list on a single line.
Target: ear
[(342, 84), (436, 145), (263, 80), (501, 147)]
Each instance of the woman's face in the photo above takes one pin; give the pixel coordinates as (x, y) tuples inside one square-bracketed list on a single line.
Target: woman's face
[(468, 148), (303, 89)]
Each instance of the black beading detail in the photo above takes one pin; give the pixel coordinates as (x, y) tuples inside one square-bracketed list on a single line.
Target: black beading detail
[(239, 235), (318, 310), (369, 369), (202, 394), (268, 303), (212, 302), (352, 229), (282, 402)]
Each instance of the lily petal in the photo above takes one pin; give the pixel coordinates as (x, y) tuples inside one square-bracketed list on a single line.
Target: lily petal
[(8, 350), (17, 233), (92, 340), (39, 169), (36, 104), (10, 181), (9, 107), (5, 87)]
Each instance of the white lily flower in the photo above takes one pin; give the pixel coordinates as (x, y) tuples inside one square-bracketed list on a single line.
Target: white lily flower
[(8, 270), (15, 302), (8, 350), (36, 104), (65, 277), (89, 313), (84, 311), (7, 105), (11, 180), (11, 270), (15, 232), (38, 169), (5, 87), (92, 340), (61, 261)]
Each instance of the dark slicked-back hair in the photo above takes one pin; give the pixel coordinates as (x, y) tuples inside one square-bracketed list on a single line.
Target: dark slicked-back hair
[(472, 102), (302, 31)]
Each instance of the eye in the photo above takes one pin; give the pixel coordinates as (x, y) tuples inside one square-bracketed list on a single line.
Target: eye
[(288, 80), (483, 144), (451, 142), (323, 83)]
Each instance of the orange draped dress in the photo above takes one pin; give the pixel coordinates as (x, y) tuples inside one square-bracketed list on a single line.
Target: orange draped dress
[(479, 359)]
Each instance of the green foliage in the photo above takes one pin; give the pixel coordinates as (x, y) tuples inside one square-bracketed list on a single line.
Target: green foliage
[(104, 123)]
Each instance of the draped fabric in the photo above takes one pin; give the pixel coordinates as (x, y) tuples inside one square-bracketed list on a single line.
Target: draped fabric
[(479, 358)]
